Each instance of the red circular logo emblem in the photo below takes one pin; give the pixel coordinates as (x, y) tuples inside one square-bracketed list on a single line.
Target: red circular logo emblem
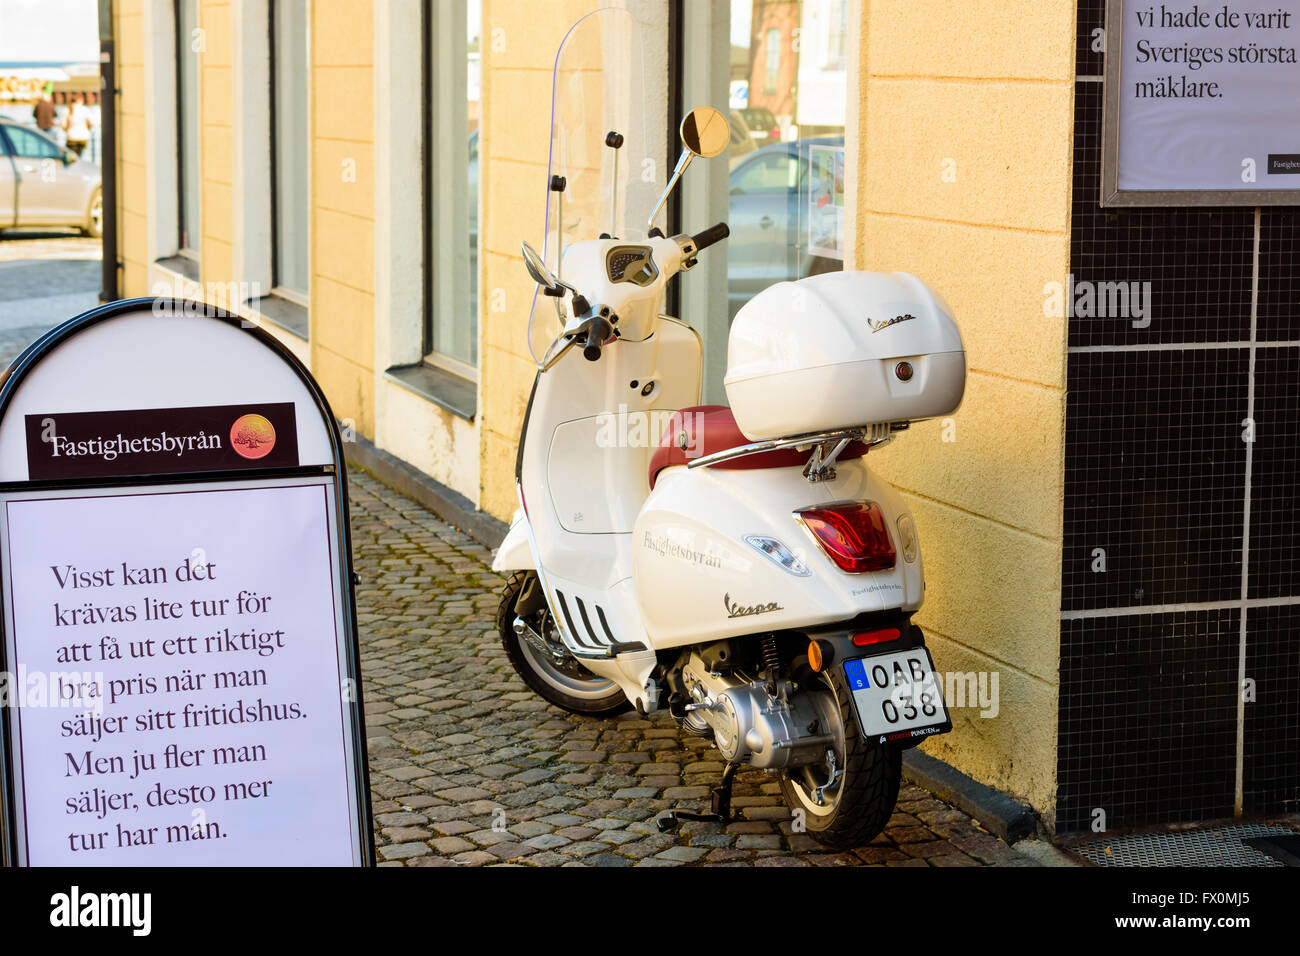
[(252, 436)]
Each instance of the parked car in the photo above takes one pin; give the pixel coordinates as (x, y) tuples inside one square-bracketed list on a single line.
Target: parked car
[(42, 184), (763, 126), (770, 215), (742, 143)]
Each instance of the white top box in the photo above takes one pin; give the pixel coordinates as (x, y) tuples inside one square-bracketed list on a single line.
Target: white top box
[(841, 350)]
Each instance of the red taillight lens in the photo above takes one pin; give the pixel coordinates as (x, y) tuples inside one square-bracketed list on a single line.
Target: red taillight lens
[(867, 638), (853, 535)]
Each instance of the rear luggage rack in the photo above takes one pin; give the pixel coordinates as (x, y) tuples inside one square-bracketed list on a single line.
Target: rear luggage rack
[(825, 447)]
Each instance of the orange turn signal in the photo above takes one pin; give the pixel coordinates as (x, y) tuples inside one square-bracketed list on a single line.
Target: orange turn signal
[(815, 660)]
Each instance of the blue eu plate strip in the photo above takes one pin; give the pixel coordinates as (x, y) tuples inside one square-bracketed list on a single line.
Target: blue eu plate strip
[(856, 674)]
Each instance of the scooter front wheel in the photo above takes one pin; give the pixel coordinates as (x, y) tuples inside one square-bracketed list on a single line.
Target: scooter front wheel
[(555, 675), (846, 799)]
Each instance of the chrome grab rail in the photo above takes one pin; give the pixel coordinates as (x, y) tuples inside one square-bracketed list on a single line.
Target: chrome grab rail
[(821, 458)]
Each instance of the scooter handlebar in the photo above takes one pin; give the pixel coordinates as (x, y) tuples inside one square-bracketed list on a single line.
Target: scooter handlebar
[(710, 236), (597, 332)]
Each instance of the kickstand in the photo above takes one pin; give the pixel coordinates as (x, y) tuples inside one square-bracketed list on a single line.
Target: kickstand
[(721, 806)]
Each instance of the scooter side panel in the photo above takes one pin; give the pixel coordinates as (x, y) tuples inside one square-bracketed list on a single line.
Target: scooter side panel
[(697, 579), (604, 478)]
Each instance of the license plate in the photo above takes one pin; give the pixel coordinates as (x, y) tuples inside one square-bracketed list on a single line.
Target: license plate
[(897, 696)]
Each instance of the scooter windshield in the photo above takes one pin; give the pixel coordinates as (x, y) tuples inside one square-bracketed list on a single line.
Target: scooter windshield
[(608, 141)]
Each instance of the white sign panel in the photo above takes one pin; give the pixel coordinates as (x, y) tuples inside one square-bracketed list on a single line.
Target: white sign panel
[(1203, 97), (179, 654)]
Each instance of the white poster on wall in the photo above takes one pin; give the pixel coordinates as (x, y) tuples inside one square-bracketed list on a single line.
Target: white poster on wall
[(182, 692), (826, 202), (1207, 95)]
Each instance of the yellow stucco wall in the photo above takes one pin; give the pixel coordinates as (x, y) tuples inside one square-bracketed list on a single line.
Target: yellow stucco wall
[(965, 127), (133, 199), (520, 40), (216, 105), (342, 207), (341, 126)]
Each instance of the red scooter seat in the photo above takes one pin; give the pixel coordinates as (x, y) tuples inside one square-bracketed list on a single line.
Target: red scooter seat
[(707, 429)]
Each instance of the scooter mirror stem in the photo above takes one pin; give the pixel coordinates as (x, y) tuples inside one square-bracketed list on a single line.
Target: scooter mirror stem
[(558, 185), (683, 161), (614, 140)]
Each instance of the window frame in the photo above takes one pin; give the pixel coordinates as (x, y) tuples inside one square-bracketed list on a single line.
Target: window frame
[(279, 289)]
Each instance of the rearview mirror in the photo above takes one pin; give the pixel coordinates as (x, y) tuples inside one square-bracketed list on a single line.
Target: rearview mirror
[(536, 266), (705, 132)]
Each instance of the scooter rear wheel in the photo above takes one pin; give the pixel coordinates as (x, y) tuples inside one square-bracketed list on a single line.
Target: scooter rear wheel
[(856, 807), (565, 683)]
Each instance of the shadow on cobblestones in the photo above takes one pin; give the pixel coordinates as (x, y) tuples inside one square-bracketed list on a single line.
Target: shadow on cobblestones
[(469, 767)]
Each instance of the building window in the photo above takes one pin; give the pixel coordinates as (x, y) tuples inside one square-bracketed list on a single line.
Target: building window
[(772, 73), (837, 48), (454, 95), (289, 148), (187, 124), (786, 187), (782, 187)]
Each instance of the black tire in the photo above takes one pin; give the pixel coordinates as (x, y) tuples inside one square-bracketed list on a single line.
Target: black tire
[(868, 789), (94, 227), (542, 675)]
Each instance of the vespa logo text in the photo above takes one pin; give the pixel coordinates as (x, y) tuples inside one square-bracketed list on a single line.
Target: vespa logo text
[(878, 326), (737, 610)]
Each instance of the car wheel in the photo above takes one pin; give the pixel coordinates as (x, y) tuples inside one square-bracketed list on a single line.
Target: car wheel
[(94, 226)]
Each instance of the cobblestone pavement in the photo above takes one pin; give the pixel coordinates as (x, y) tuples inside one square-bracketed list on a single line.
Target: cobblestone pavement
[(469, 767)]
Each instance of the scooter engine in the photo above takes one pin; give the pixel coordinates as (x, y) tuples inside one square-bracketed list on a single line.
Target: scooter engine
[(756, 722)]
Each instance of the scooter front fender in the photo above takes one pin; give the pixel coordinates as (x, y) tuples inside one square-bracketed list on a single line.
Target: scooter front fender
[(514, 552)]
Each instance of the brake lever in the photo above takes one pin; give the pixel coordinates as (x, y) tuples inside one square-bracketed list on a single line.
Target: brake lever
[(548, 360), (575, 330)]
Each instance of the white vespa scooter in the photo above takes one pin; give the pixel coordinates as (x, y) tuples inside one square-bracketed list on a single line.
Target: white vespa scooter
[(740, 566)]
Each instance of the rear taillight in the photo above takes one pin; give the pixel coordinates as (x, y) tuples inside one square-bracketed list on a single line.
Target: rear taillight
[(853, 535), (867, 638)]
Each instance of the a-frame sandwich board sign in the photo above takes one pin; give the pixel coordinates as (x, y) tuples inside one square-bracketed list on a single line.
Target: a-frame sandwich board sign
[(178, 633)]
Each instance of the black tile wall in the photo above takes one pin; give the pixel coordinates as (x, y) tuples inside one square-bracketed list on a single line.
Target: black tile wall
[(1274, 570), (1198, 262), (1154, 467), (1092, 17), (1148, 719), (1155, 474), (1271, 779), (1279, 276)]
